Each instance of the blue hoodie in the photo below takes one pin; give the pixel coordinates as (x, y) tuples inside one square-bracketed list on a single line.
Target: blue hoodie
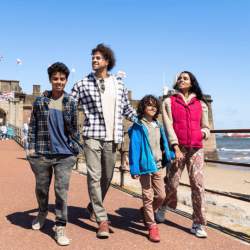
[(141, 159)]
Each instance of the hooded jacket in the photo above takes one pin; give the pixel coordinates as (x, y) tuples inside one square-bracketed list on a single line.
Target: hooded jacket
[(141, 159)]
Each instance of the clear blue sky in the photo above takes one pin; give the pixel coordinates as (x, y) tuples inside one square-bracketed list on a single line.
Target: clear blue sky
[(152, 39)]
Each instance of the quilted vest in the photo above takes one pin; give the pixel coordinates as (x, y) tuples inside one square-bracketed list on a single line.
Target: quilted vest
[(187, 121)]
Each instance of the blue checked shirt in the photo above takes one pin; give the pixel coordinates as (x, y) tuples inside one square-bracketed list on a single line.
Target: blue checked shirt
[(87, 93), (38, 136)]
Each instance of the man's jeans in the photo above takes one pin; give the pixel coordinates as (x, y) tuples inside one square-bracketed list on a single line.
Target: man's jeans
[(42, 168), (100, 158)]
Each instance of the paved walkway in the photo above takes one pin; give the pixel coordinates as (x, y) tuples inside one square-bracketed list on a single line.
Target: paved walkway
[(18, 208)]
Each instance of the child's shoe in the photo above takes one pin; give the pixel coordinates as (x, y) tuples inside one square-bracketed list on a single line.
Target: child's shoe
[(153, 233), (198, 230)]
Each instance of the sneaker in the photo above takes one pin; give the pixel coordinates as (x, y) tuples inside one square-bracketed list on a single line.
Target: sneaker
[(103, 230), (39, 221), (160, 214), (60, 236), (153, 233), (198, 230), (92, 216)]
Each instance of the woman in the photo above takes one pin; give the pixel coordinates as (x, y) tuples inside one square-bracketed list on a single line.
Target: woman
[(185, 118)]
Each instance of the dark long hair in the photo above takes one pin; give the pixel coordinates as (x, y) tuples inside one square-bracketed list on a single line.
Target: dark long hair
[(148, 100), (195, 87)]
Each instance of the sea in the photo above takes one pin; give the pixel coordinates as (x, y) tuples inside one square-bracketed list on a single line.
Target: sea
[(233, 149)]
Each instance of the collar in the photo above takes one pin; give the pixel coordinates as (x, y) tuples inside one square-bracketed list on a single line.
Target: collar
[(188, 99)]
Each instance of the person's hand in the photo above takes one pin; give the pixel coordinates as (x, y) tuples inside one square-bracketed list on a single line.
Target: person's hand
[(31, 152), (178, 155), (203, 135), (135, 177)]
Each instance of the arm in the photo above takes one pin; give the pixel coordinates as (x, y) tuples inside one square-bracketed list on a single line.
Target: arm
[(168, 125), (204, 121), (134, 150), (128, 111), (32, 129), (168, 121), (75, 92), (74, 123)]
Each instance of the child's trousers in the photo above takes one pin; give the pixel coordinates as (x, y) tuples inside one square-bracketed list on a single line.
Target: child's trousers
[(153, 194)]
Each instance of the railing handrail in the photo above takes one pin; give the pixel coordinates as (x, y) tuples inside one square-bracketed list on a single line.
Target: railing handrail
[(230, 130)]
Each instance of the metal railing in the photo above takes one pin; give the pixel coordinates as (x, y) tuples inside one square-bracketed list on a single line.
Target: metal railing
[(18, 134), (232, 163)]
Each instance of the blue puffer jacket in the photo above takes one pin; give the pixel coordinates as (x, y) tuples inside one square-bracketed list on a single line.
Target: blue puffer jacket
[(141, 159)]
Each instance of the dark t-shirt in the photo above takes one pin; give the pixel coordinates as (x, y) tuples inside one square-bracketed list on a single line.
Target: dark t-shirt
[(59, 141)]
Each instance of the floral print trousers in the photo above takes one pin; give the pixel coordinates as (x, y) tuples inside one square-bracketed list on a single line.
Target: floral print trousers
[(194, 160)]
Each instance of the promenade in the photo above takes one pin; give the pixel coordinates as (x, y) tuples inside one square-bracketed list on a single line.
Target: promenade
[(18, 208)]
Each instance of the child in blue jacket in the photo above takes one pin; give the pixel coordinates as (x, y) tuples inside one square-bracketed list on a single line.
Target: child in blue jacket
[(149, 153)]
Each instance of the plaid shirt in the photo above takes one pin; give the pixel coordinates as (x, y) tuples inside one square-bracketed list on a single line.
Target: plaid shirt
[(87, 92), (38, 136)]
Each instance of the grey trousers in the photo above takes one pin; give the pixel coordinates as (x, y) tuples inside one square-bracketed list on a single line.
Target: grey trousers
[(43, 168), (100, 158)]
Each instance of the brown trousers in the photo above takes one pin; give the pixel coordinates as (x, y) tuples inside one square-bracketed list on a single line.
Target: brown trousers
[(194, 160), (153, 194)]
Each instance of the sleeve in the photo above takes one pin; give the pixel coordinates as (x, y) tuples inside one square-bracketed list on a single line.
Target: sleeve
[(32, 128), (128, 111), (168, 121), (204, 120), (134, 150), (75, 92), (74, 119)]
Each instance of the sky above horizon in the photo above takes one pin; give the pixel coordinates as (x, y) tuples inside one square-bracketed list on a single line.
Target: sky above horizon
[(152, 41)]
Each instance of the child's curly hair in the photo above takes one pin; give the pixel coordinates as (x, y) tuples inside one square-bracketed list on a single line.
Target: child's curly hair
[(148, 100)]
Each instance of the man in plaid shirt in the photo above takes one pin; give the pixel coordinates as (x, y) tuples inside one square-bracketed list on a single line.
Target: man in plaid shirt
[(104, 100)]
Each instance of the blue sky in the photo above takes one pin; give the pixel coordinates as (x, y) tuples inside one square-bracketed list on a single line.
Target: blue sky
[(152, 40)]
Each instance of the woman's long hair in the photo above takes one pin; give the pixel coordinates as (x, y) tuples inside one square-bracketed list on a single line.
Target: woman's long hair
[(195, 87)]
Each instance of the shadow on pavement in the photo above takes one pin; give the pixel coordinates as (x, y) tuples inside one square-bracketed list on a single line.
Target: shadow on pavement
[(128, 219), (25, 218)]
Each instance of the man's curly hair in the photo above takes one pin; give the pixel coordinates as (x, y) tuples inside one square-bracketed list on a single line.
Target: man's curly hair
[(107, 53), (148, 100)]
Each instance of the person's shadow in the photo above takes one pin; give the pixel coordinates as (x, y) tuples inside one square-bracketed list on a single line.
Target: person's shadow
[(75, 216), (129, 219)]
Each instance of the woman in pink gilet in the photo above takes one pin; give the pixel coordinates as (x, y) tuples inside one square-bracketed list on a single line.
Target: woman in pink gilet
[(185, 118)]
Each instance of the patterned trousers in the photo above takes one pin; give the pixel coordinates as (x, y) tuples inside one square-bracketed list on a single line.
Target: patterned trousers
[(194, 160), (43, 168)]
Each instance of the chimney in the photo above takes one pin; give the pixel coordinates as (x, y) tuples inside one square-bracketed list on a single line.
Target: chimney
[(36, 90)]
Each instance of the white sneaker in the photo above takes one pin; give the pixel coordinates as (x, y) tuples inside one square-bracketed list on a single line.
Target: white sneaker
[(39, 221), (160, 214), (198, 230), (60, 236)]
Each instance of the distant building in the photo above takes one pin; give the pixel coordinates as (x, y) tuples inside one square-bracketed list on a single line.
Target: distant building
[(15, 106)]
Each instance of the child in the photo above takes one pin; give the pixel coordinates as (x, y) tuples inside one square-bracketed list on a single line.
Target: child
[(52, 146), (148, 154)]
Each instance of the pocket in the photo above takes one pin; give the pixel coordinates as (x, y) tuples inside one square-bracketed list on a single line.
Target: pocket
[(92, 143)]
